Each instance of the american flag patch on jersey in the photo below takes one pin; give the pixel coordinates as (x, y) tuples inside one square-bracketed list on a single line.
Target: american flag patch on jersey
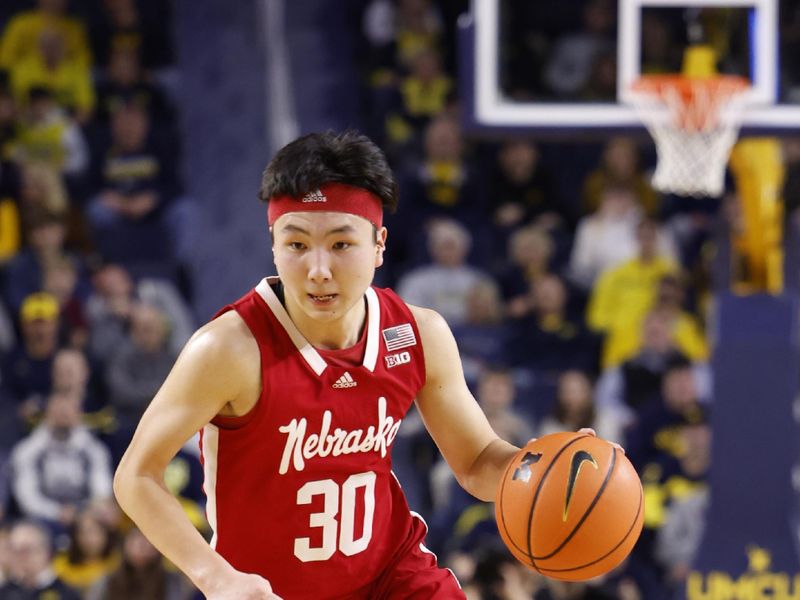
[(400, 336)]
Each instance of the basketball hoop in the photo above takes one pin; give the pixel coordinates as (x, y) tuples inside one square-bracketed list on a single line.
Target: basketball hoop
[(695, 122)]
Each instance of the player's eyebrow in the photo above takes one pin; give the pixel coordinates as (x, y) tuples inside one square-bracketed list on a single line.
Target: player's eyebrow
[(294, 229), (289, 228), (342, 229)]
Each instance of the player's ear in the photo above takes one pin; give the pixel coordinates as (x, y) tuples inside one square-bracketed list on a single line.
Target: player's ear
[(380, 245)]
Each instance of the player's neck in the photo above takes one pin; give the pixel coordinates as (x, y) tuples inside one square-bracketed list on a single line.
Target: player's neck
[(335, 334)]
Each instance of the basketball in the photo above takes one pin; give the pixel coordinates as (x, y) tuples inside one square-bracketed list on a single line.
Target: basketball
[(570, 506)]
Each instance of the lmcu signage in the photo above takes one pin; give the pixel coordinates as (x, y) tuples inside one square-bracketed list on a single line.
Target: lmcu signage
[(759, 582), (748, 549)]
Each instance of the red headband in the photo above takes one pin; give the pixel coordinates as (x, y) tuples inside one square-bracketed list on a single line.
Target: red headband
[(331, 197)]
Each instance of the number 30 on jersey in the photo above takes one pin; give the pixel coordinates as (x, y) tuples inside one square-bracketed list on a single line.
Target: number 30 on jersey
[(341, 503)]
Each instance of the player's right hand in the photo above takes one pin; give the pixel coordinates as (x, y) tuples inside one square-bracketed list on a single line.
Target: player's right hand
[(242, 586)]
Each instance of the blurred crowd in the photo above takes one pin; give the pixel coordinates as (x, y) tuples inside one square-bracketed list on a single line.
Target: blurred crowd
[(95, 297), (579, 296)]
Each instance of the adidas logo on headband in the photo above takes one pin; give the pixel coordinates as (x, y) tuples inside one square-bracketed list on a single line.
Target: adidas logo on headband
[(330, 197), (315, 196)]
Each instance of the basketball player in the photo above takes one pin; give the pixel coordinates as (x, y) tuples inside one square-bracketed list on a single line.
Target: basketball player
[(298, 389)]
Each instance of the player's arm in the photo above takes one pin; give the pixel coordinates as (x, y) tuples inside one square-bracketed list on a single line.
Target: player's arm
[(218, 368), (476, 455)]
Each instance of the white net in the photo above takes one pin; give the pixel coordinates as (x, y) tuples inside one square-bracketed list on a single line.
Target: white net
[(694, 123)]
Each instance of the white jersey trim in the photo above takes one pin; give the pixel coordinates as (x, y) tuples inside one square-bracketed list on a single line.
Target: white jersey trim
[(423, 547), (309, 353), (373, 326), (210, 436)]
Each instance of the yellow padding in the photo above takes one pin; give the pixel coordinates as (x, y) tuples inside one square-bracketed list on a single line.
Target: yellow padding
[(757, 166), (699, 62), (9, 230)]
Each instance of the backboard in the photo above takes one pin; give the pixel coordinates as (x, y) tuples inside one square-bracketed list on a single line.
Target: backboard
[(493, 33)]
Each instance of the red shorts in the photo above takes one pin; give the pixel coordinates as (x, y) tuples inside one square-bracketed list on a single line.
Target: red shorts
[(413, 574), (417, 576)]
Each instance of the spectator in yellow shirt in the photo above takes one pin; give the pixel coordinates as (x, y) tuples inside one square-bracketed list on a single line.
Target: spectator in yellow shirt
[(625, 340), (51, 67), (21, 36), (625, 292), (425, 91), (49, 135), (606, 238)]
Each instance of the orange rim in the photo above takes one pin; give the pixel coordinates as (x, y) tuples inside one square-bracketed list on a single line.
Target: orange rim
[(687, 87)]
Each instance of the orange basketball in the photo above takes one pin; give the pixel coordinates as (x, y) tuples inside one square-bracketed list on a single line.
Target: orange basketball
[(570, 506)]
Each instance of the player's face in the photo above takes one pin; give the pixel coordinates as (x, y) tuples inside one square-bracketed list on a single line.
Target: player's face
[(326, 261)]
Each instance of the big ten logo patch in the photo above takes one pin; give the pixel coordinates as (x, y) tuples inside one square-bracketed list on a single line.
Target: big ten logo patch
[(401, 358)]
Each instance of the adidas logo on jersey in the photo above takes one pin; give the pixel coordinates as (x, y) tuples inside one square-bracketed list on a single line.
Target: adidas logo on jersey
[(315, 196), (345, 381)]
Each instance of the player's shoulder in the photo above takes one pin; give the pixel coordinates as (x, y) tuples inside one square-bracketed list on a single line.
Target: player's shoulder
[(431, 325), (426, 316), (225, 339)]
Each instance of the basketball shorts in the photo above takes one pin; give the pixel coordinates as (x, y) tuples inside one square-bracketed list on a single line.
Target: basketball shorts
[(414, 574), (417, 576)]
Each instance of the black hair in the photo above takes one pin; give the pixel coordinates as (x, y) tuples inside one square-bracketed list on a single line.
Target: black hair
[(75, 554), (311, 161), (587, 415), (677, 362), (40, 92)]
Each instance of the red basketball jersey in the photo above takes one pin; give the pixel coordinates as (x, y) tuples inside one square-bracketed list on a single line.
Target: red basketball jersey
[(301, 489)]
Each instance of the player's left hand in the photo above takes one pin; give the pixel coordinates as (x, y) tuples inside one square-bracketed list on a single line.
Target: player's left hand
[(591, 432), (586, 430)]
